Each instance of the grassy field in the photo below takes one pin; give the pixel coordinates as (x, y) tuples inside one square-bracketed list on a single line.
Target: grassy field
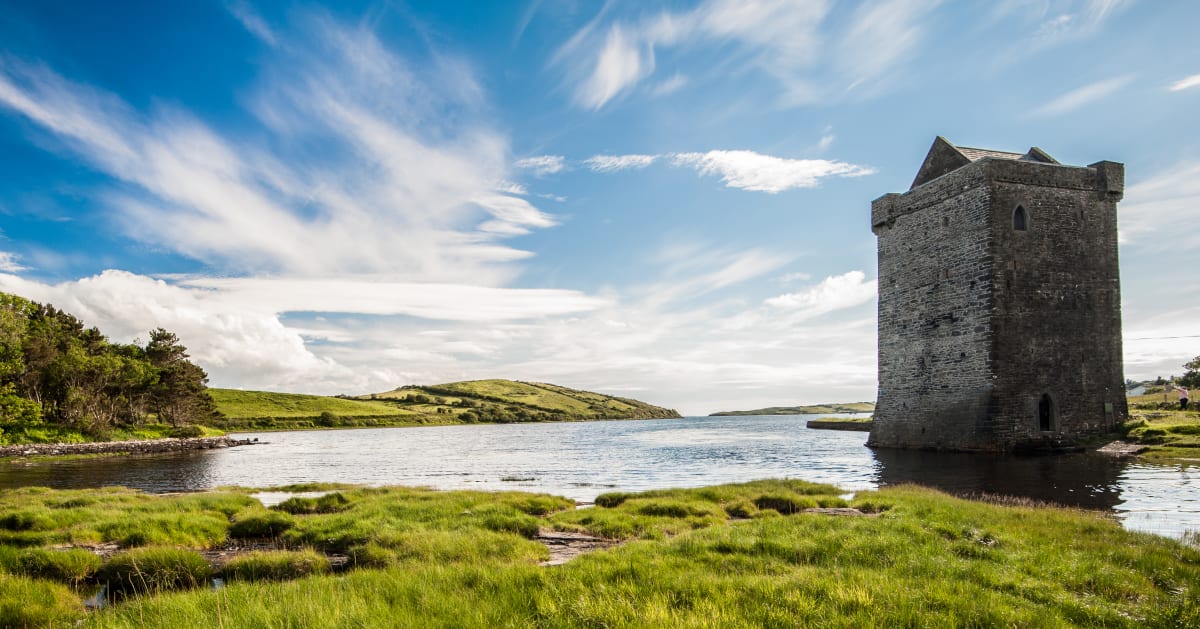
[(264, 410), (816, 409), (1167, 432), (746, 555), (492, 401)]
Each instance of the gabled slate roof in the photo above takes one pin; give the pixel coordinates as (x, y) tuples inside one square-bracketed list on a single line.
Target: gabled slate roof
[(944, 157)]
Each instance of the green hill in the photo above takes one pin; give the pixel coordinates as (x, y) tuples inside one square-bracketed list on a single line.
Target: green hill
[(816, 409), (236, 404), (509, 401), (478, 401)]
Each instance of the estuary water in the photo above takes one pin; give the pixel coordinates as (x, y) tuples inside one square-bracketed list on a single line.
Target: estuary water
[(584, 459)]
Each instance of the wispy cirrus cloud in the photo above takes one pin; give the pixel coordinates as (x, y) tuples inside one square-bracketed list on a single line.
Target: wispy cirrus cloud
[(252, 21), (1185, 83), (1049, 23), (1157, 207), (393, 190), (792, 42), (541, 165), (362, 184), (9, 263), (1082, 96), (613, 163)]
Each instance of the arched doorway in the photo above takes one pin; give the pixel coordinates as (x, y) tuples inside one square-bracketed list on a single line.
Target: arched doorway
[(1045, 413)]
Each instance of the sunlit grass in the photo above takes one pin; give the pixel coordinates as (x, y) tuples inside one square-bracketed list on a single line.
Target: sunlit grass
[(1170, 434), (744, 555)]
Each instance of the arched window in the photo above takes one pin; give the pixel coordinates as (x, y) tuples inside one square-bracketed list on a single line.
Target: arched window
[(1020, 219), (1045, 413)]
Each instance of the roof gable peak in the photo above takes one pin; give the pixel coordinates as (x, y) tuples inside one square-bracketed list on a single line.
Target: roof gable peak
[(944, 157)]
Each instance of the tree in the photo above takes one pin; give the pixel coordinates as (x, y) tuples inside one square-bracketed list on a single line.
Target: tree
[(181, 395), (1191, 378)]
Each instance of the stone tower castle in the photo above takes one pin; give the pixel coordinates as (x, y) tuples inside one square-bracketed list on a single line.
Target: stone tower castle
[(999, 303)]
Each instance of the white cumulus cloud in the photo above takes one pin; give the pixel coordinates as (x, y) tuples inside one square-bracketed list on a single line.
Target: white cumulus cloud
[(749, 170), (833, 293)]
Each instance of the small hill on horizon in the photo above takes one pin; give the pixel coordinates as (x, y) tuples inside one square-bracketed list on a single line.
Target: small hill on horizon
[(815, 409), (476, 401), (510, 400)]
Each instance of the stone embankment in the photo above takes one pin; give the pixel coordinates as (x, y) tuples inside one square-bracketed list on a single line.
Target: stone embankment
[(833, 424), (147, 446)]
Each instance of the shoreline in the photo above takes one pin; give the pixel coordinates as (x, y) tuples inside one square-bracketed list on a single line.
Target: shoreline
[(140, 446)]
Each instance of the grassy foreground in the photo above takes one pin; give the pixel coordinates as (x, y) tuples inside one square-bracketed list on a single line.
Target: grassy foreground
[(746, 555)]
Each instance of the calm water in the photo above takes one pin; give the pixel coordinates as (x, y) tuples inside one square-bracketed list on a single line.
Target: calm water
[(582, 460)]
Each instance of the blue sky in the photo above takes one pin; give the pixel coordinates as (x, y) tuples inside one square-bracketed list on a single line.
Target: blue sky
[(667, 201)]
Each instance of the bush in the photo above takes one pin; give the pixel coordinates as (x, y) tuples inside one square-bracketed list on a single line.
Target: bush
[(275, 565), (190, 431), (153, 570), (261, 524), (72, 566), (328, 419)]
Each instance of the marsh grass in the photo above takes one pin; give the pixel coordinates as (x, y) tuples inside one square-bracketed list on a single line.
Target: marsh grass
[(709, 557), (930, 560), (26, 602), (153, 571), (301, 505), (663, 513), (259, 522), (278, 565), (72, 566)]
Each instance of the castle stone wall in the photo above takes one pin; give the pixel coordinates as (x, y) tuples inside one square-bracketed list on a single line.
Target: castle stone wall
[(934, 312), (978, 320), (1057, 321)]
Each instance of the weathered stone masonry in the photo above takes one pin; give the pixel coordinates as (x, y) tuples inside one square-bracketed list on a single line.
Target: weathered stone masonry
[(999, 303)]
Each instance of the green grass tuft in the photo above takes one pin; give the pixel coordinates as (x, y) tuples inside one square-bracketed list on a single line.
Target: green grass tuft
[(153, 571), (278, 565), (26, 602), (300, 505), (260, 523), (71, 566)]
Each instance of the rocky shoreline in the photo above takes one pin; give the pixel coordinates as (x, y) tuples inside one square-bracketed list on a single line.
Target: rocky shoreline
[(144, 446)]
